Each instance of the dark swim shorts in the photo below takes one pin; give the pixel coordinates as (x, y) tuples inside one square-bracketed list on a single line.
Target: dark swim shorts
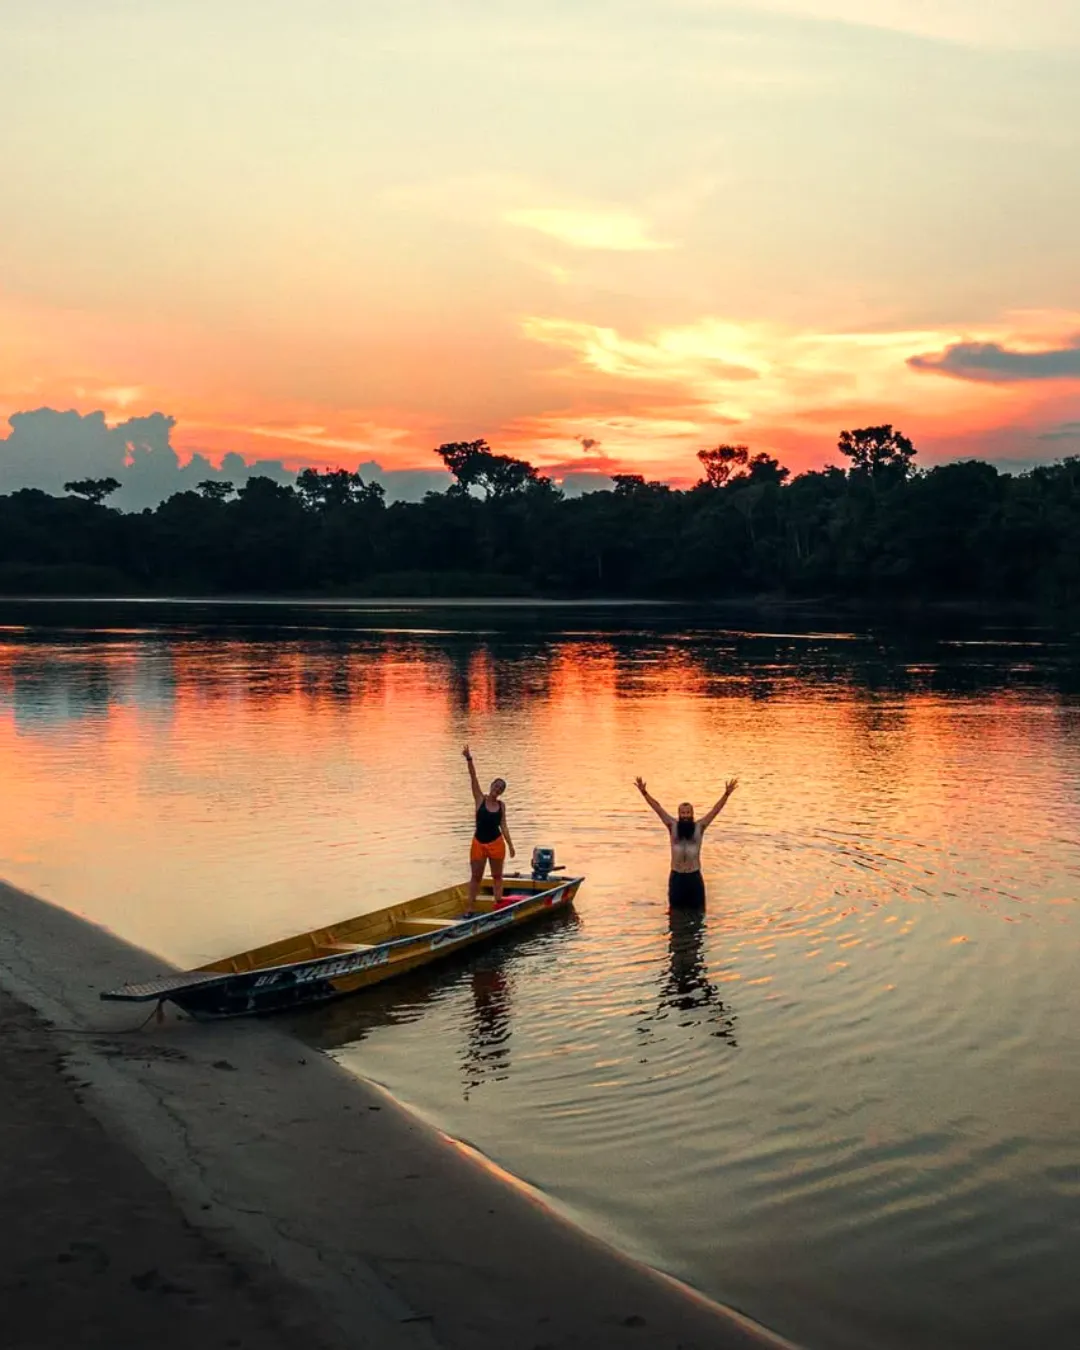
[(686, 890)]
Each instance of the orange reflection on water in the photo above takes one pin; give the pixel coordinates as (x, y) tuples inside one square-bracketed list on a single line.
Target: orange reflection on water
[(877, 1007), (199, 794)]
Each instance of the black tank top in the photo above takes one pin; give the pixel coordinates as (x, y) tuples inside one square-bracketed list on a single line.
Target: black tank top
[(488, 823)]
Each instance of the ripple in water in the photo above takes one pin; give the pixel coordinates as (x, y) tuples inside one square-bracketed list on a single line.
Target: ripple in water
[(843, 1100)]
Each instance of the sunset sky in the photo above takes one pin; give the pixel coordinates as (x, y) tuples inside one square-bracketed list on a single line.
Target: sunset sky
[(601, 235)]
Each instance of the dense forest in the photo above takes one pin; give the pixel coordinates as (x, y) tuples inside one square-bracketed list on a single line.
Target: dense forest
[(881, 528)]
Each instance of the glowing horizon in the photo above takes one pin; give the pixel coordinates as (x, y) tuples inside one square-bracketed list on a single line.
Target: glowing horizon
[(343, 238)]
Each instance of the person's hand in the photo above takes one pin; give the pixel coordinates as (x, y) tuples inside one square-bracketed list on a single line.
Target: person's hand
[(513, 851), (639, 783), (466, 753), (730, 786)]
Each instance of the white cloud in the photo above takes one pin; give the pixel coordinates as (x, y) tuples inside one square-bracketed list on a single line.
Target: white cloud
[(669, 354), (589, 228), (998, 23)]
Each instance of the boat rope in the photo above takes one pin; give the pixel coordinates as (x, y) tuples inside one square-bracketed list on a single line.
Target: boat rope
[(156, 1013)]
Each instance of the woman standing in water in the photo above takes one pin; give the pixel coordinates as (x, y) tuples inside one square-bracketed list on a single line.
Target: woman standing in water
[(492, 837)]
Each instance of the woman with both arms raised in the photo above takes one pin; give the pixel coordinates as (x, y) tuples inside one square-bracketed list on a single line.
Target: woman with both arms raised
[(491, 838), (686, 889)]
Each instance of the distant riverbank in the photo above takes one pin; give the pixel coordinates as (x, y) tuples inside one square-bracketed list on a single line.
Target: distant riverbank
[(465, 591)]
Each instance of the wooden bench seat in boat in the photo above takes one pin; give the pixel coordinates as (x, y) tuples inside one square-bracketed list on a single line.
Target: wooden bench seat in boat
[(426, 925), (344, 946)]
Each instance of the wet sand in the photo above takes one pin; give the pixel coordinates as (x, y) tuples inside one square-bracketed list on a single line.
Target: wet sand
[(95, 1250), (220, 1180)]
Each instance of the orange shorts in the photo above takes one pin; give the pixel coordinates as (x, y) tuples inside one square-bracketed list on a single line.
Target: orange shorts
[(493, 852)]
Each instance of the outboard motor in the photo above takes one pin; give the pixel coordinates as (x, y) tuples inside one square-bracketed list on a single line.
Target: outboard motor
[(543, 863)]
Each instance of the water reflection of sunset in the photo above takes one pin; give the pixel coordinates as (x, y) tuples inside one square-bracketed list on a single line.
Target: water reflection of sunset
[(892, 899), (192, 793)]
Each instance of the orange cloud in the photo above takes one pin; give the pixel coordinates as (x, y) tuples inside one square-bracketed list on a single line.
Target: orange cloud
[(777, 386), (650, 395)]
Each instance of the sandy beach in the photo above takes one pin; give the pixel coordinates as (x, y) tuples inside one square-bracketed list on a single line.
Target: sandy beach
[(96, 1251), (221, 1184)]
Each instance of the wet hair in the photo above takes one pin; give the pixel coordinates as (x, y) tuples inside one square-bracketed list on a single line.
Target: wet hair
[(685, 828)]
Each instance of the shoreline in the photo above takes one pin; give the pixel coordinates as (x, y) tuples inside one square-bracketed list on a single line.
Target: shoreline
[(403, 1237), (871, 611)]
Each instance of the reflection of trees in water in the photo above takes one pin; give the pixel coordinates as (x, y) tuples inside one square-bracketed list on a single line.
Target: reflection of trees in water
[(481, 674), (336, 671), (891, 660), (454, 659), (687, 996), (881, 738), (62, 681), (521, 658)]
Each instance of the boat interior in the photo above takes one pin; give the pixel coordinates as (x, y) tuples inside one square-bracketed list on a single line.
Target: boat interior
[(409, 918)]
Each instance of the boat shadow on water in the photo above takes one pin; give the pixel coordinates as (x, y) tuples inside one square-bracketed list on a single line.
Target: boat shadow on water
[(487, 972)]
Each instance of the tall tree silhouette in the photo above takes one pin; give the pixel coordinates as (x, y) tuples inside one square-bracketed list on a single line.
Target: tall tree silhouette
[(721, 462), (878, 451), (336, 488), (93, 489), (215, 490), (475, 465)]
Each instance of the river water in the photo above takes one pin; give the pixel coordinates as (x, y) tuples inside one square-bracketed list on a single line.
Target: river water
[(845, 1101)]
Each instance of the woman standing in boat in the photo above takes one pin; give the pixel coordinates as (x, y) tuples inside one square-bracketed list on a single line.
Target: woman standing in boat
[(492, 837)]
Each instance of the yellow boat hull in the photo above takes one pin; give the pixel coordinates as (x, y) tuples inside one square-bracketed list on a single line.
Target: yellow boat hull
[(341, 958)]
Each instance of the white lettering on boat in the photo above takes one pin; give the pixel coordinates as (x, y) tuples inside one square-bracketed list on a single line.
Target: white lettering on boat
[(488, 923), (327, 970), (460, 931)]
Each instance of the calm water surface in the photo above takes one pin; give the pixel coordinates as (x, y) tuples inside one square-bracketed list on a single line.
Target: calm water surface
[(846, 1100)]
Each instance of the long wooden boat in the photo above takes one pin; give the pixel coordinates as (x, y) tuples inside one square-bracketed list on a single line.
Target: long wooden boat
[(329, 962)]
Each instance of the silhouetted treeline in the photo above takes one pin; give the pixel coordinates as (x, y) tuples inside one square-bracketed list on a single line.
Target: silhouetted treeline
[(878, 529)]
